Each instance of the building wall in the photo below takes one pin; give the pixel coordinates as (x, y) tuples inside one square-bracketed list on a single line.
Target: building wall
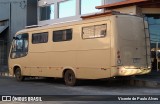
[(137, 10), (18, 17), (128, 10), (32, 12), (19, 13), (43, 3), (4, 10), (112, 1), (151, 10), (10, 10)]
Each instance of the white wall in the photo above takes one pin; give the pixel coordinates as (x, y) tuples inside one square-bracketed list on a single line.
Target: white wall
[(112, 1)]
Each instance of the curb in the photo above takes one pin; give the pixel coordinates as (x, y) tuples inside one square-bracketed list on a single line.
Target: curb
[(144, 83), (5, 74)]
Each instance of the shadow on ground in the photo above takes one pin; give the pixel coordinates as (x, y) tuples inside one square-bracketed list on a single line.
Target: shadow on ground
[(112, 82)]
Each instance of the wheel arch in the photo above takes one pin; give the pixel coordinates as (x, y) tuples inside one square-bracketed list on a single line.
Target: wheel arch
[(15, 67), (68, 68)]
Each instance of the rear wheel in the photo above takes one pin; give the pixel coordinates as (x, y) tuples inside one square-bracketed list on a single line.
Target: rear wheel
[(69, 78), (18, 75)]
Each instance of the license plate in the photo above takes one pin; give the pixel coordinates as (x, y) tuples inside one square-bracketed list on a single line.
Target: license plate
[(136, 60)]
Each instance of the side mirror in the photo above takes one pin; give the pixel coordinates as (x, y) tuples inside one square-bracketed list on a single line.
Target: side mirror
[(15, 38)]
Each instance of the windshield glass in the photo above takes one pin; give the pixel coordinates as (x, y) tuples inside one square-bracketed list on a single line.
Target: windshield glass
[(19, 46)]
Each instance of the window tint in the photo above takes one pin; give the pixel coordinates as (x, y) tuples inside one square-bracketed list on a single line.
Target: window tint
[(40, 38), (62, 35), (96, 31), (47, 12)]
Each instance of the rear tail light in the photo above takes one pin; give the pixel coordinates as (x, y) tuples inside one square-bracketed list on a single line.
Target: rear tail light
[(119, 62), (118, 54)]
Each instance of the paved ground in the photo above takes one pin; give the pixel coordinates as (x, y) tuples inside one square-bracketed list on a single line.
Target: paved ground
[(9, 86)]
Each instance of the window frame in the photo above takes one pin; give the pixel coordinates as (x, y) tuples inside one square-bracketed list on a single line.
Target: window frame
[(23, 53), (40, 33), (98, 11), (58, 8), (66, 35), (94, 32), (49, 5)]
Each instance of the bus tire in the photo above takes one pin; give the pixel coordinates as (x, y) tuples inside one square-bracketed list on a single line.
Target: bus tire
[(18, 75), (69, 78)]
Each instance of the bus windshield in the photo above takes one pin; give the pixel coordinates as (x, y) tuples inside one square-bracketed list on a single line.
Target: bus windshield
[(19, 46)]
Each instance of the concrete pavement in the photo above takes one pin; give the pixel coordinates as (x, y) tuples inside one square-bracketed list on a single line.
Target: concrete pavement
[(149, 80)]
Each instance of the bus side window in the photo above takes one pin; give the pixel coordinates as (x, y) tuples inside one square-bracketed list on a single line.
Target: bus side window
[(20, 46), (95, 31), (62, 35), (40, 38)]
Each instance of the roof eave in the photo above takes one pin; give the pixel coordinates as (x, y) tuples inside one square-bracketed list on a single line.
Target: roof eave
[(121, 4)]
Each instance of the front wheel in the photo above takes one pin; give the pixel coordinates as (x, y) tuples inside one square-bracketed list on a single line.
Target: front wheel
[(18, 75), (69, 78)]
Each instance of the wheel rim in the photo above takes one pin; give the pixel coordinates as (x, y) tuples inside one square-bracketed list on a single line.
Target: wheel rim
[(18, 75), (70, 78)]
